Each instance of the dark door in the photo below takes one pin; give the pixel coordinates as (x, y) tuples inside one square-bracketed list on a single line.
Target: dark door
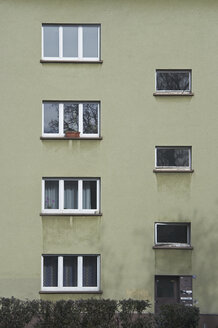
[(166, 291)]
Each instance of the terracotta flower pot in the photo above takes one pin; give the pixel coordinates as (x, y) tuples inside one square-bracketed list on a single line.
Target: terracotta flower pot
[(72, 134)]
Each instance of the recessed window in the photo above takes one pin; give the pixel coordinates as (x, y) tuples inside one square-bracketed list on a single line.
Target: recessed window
[(70, 196), (172, 234), (173, 158), (70, 273), (71, 42), (70, 119), (173, 81)]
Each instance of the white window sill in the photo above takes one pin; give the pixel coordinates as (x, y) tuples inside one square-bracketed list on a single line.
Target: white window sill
[(61, 60), (71, 138), (173, 170), (70, 292), (182, 93), (70, 214)]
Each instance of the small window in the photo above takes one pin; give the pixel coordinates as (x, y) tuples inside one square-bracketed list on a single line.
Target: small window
[(70, 119), (73, 196), (177, 234), (173, 158), (173, 81), (70, 273), (70, 42)]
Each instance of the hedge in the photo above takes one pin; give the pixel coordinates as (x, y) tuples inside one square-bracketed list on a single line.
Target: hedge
[(92, 313)]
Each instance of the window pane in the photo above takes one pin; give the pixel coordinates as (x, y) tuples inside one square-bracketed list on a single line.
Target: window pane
[(89, 194), (51, 41), (172, 233), (173, 157), (70, 41), (71, 117), (70, 194), (70, 271), (89, 271), (90, 41), (173, 81), (50, 271), (165, 287), (51, 194), (90, 118), (51, 118)]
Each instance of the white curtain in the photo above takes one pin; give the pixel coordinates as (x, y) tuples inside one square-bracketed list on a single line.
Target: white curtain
[(70, 194), (51, 194)]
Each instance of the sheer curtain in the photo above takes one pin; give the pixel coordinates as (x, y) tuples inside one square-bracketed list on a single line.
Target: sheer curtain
[(51, 194), (89, 195), (71, 194), (70, 271), (50, 277), (89, 271)]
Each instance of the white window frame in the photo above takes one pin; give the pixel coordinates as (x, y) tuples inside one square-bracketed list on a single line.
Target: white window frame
[(61, 209), (187, 224), (61, 133), (80, 44), (79, 287), (175, 168), (174, 71)]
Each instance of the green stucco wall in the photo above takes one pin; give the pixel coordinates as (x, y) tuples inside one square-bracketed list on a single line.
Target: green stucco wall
[(137, 37)]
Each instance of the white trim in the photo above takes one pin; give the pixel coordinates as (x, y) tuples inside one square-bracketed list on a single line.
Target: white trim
[(80, 119), (79, 286), (80, 44), (80, 209), (60, 271), (187, 224), (42, 271), (60, 41), (80, 271), (178, 168), (61, 120)]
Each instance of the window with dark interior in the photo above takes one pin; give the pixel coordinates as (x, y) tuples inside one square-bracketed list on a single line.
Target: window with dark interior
[(173, 81), (70, 196), (70, 272), (172, 234), (173, 158)]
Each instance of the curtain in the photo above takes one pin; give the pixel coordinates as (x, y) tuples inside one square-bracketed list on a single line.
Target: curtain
[(89, 195), (70, 194), (89, 271), (51, 194), (50, 277), (70, 271)]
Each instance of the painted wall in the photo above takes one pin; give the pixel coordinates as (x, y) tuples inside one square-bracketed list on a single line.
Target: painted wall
[(137, 37)]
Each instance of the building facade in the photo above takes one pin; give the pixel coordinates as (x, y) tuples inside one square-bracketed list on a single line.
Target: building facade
[(127, 206)]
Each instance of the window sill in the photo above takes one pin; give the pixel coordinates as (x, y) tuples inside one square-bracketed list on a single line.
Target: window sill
[(72, 61), (70, 214), (71, 292), (65, 138), (173, 94), (172, 247), (173, 171)]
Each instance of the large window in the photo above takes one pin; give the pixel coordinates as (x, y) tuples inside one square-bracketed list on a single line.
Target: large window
[(74, 119), (70, 273), (70, 195), (70, 42), (175, 234), (173, 81), (173, 158)]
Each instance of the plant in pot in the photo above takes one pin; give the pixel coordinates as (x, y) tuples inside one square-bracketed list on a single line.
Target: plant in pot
[(72, 134)]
